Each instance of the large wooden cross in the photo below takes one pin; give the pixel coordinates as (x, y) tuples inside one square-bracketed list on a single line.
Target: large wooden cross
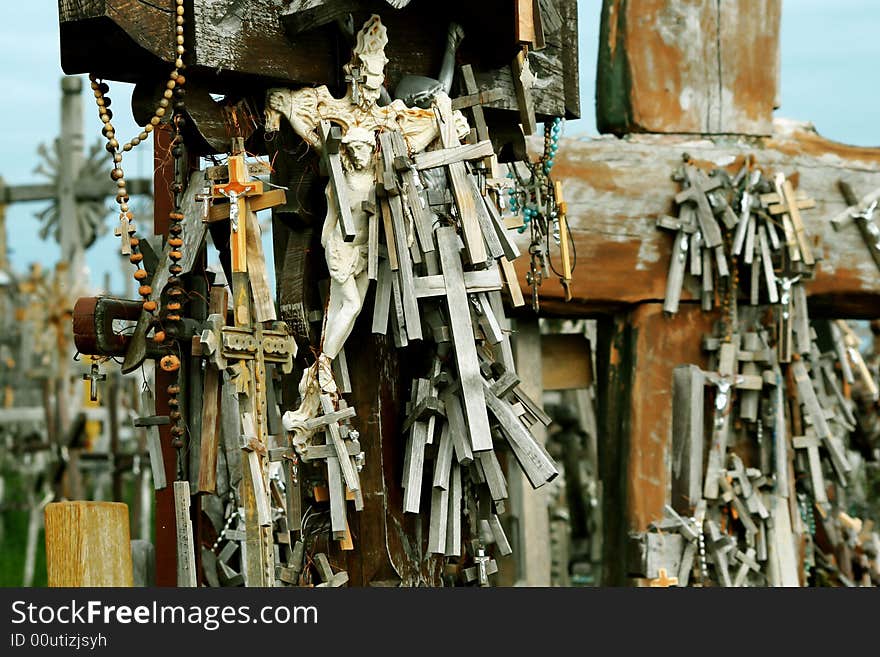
[(271, 48), (616, 190)]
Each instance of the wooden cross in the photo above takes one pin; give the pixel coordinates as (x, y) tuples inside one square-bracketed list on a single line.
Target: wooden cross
[(747, 563), (461, 189), (698, 186), (125, 230), (754, 351), (788, 204), (810, 443), (152, 423), (329, 579), (686, 238), (474, 100), (852, 342), (238, 190), (662, 581), (340, 456), (719, 546), (785, 323), (814, 410), (458, 308)]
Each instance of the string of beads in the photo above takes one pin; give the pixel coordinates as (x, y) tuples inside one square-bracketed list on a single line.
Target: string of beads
[(528, 204), (167, 319)]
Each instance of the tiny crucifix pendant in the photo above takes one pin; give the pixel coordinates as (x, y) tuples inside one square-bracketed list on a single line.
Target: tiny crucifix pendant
[(233, 208), (93, 377), (205, 198), (125, 230)]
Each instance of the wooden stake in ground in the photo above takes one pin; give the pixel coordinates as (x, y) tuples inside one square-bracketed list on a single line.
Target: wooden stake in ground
[(87, 544)]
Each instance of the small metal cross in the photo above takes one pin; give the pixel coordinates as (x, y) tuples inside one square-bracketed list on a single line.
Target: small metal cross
[(206, 197), (482, 573), (356, 78), (785, 285), (93, 377), (233, 195)]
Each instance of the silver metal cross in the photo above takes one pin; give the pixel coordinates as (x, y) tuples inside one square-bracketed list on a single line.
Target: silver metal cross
[(785, 285)]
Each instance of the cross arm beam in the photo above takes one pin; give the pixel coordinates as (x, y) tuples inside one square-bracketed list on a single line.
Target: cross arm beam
[(617, 190)]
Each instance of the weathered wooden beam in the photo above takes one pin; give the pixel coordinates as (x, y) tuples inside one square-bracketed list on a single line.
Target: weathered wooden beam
[(688, 67), (634, 402), (617, 189)]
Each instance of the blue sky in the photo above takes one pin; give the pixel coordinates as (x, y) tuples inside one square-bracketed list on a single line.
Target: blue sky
[(830, 52)]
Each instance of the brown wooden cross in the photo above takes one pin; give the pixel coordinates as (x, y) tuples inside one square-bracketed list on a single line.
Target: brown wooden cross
[(617, 189)]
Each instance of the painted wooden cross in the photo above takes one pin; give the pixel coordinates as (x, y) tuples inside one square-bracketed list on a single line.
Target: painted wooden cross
[(251, 346)]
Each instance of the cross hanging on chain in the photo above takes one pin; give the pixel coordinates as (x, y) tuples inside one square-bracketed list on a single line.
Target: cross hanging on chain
[(93, 377)]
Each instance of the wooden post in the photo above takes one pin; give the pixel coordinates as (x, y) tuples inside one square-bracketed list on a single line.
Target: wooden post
[(636, 357), (87, 544), (530, 505), (70, 159), (166, 527)]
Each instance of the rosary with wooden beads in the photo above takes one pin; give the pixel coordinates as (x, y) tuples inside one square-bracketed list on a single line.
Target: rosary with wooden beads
[(167, 318)]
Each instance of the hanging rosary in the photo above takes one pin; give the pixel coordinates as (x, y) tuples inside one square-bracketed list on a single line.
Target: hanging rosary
[(166, 319), (539, 203)]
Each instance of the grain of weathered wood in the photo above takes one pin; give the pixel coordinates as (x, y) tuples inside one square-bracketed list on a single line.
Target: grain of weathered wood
[(616, 190), (688, 66), (687, 437), (87, 544), (210, 439)]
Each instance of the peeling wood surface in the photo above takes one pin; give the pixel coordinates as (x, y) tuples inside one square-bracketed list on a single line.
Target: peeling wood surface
[(660, 344), (688, 66), (616, 189), (233, 40), (636, 354)]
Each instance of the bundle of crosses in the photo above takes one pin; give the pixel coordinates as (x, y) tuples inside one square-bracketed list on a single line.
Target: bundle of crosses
[(760, 474), (414, 209)]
